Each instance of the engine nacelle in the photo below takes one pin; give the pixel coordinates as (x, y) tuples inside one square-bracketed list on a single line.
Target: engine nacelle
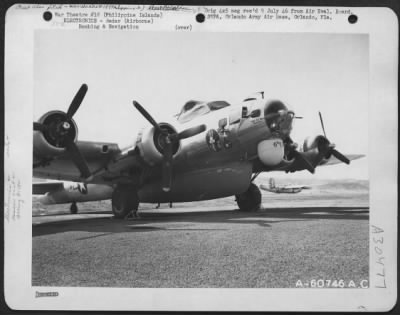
[(151, 143), (271, 152), (46, 143)]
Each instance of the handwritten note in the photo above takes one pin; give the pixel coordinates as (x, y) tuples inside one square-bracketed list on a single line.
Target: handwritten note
[(13, 202), (379, 256), (7, 146)]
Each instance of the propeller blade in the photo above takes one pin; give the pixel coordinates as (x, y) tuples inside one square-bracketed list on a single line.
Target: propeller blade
[(340, 156), (146, 115), (78, 159), (76, 102), (304, 161), (167, 166), (39, 127), (322, 123), (190, 132), (332, 151)]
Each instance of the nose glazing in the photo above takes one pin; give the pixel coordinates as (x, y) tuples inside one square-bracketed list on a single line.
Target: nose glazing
[(278, 118), (285, 123)]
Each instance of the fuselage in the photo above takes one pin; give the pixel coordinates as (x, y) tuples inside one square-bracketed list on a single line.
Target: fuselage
[(239, 138), (213, 164), (219, 162)]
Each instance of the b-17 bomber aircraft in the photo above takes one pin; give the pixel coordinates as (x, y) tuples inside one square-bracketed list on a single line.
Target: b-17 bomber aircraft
[(208, 150), (287, 189)]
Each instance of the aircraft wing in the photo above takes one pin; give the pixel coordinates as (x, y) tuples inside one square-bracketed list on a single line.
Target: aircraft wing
[(106, 162), (284, 190), (333, 160), (297, 187), (57, 153), (296, 165), (45, 187)]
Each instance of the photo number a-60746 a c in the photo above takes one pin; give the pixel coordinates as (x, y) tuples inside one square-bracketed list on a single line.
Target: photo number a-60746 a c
[(327, 283)]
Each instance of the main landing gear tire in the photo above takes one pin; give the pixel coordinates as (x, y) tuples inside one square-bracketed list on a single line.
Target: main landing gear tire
[(74, 208), (123, 202), (250, 200)]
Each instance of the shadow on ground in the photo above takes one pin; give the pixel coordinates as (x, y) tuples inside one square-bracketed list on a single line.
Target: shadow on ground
[(263, 218)]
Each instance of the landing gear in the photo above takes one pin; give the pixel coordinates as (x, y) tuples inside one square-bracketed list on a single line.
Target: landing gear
[(74, 208), (250, 200), (124, 200)]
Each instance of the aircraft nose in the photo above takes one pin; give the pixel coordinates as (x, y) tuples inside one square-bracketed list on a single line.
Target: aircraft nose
[(286, 123), (278, 118)]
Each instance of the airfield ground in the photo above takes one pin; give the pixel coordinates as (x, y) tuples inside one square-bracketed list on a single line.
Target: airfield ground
[(320, 233)]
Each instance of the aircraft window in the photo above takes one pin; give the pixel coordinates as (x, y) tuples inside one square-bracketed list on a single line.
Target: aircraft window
[(255, 113), (193, 109), (189, 105), (196, 111), (215, 105)]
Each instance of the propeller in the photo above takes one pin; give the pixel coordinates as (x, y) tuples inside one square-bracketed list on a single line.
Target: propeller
[(146, 115), (303, 161), (331, 147), (169, 140), (77, 101), (322, 123), (340, 156), (299, 156), (78, 159), (60, 130), (167, 165)]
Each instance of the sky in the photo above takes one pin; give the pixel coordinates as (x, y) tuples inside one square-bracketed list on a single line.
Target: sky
[(163, 70)]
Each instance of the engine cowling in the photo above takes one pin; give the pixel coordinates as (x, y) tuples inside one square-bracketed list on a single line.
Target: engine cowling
[(319, 144), (47, 143), (151, 143)]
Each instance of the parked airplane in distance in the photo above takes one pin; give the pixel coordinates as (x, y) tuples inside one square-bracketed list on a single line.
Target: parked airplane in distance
[(208, 150), (287, 189)]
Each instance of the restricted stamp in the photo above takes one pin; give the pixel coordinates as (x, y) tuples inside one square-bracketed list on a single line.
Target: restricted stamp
[(203, 158)]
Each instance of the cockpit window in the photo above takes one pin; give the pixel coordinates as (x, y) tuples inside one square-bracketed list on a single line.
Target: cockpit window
[(255, 113), (190, 104), (193, 109)]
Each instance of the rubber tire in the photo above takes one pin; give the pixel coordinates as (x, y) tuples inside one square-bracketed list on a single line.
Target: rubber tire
[(124, 201), (250, 200), (74, 208)]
